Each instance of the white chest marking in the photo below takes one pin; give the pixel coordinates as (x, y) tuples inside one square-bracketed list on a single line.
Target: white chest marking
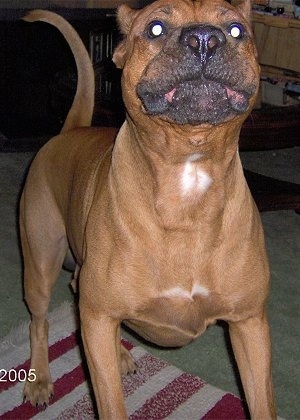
[(179, 292), (199, 290), (194, 178)]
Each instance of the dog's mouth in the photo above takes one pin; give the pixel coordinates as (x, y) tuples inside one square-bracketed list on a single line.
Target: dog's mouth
[(194, 102), (238, 101)]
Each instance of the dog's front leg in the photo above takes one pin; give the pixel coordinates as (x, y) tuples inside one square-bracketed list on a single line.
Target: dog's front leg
[(252, 348), (101, 339)]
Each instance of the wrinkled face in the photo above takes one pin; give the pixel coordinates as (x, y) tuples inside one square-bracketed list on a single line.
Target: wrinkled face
[(190, 62)]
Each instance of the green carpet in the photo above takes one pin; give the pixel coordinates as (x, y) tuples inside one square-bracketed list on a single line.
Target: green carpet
[(208, 356)]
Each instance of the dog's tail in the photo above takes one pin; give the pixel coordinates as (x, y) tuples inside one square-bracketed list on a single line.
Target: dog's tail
[(81, 111)]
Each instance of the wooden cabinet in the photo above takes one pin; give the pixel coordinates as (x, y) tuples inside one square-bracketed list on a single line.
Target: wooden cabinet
[(278, 41)]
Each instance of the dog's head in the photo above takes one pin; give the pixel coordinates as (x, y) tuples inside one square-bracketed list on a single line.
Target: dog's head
[(188, 62)]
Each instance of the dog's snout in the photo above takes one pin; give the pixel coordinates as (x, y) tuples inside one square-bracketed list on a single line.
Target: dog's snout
[(203, 40)]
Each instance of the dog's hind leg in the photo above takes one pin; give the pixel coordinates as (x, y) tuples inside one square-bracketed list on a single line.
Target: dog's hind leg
[(44, 246)]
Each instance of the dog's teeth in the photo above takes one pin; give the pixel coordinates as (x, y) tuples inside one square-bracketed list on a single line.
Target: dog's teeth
[(169, 96)]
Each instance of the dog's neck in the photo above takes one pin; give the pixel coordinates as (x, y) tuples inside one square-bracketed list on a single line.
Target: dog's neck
[(182, 175)]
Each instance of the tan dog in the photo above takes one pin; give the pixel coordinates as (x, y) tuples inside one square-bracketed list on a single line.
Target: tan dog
[(164, 231)]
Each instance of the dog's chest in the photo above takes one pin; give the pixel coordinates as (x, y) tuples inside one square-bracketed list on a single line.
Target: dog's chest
[(176, 315), (174, 300), (167, 282)]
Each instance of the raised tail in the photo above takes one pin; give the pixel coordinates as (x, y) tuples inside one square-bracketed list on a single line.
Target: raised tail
[(81, 111)]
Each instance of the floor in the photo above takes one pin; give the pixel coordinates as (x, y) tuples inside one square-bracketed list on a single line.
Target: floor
[(207, 357)]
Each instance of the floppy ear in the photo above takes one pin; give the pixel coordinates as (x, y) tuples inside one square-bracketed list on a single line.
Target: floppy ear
[(125, 17), (245, 8), (119, 55)]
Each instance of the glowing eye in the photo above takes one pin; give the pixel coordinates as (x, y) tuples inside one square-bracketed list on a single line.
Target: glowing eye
[(236, 30), (156, 29)]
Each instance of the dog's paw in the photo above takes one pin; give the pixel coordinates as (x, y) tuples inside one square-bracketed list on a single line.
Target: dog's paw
[(127, 363), (38, 392)]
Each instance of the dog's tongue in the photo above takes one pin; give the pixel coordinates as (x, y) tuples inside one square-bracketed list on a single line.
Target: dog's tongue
[(238, 100), (169, 95)]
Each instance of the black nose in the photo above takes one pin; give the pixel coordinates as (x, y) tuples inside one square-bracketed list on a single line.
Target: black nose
[(203, 40)]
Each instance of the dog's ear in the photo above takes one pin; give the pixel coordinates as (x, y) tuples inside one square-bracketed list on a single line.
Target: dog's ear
[(119, 55), (245, 8), (125, 17)]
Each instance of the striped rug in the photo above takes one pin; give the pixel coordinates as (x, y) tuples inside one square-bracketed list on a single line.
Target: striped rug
[(157, 391)]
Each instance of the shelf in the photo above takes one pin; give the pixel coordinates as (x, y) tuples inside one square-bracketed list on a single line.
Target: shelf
[(275, 21)]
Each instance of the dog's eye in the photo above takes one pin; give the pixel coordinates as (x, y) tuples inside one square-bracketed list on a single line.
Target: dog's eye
[(236, 30), (156, 29)]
